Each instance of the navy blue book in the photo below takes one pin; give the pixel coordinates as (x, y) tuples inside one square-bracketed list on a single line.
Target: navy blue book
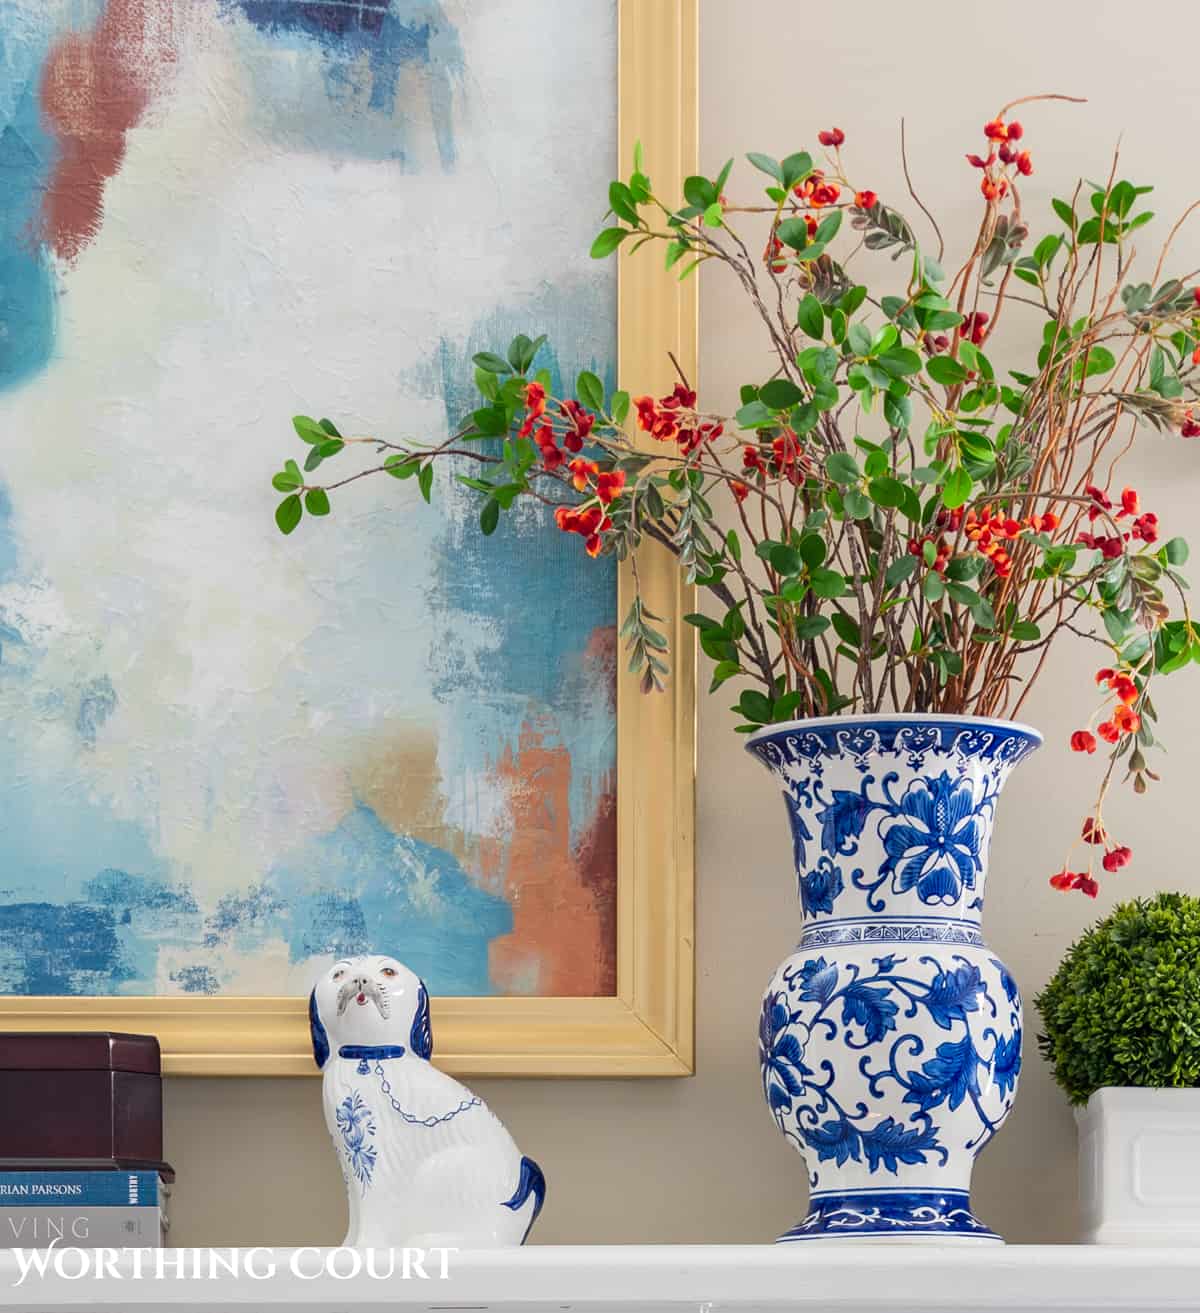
[(90, 1189)]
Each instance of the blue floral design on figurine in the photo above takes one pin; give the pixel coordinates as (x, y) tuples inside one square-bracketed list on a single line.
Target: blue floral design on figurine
[(356, 1122)]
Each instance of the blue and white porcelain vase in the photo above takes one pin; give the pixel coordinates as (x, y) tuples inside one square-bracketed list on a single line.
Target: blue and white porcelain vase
[(890, 1039)]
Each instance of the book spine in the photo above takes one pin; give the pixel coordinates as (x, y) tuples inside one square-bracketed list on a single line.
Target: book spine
[(79, 1189), (82, 1228)]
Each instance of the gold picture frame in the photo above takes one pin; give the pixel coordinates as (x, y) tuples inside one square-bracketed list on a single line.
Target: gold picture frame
[(646, 1029)]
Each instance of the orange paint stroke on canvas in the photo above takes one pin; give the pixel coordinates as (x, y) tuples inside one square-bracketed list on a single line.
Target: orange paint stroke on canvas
[(95, 87), (563, 896)]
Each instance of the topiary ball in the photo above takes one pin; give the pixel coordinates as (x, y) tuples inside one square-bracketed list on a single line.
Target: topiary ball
[(1123, 1008)]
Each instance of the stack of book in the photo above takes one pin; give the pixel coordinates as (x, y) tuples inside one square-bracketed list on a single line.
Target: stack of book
[(82, 1209), (81, 1146)]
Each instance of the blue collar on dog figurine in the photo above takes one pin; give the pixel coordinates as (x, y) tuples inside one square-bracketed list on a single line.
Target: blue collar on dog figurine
[(370, 1053)]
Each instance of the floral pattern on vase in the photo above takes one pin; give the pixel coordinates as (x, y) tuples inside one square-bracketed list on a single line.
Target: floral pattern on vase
[(890, 1039)]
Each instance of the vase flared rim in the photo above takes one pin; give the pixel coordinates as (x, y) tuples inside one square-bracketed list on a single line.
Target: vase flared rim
[(1015, 727)]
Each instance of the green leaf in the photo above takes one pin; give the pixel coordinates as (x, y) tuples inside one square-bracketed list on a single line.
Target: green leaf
[(288, 513), (785, 706), (620, 406), (962, 568), (620, 201), (859, 338), (780, 394), (316, 501), (491, 363), (811, 316), (944, 370), (489, 517), (827, 229), (937, 320), (590, 390), (793, 233), (402, 467), (491, 421), (886, 492), (518, 352), (957, 489), (754, 706), (911, 505), (733, 545), (691, 269), (425, 481), (885, 339), (1064, 212), (722, 671), (488, 384), (330, 427), (810, 626), (1100, 360), (309, 430), (827, 583), (899, 361), (796, 168), (765, 164), (842, 467), (1117, 624), (785, 560), (754, 415), (846, 629), (698, 191), (286, 481), (963, 594), (857, 504), (897, 406), (1176, 552), (608, 241), (900, 569), (1025, 631)]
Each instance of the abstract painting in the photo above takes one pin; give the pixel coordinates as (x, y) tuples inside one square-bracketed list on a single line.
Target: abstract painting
[(224, 755)]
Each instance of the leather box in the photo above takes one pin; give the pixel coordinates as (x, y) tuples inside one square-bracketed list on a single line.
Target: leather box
[(87, 1096)]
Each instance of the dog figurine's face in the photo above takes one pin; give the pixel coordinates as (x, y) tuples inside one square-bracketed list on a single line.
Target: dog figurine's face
[(369, 1001)]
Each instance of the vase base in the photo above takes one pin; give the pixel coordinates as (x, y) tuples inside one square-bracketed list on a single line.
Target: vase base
[(892, 1217)]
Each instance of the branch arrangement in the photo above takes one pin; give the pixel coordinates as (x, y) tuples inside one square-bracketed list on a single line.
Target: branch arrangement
[(913, 527)]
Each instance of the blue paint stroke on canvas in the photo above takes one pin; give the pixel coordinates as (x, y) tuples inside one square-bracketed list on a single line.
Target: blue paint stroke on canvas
[(388, 37), (27, 154)]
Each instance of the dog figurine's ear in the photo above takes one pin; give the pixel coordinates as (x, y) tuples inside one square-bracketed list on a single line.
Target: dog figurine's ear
[(320, 1040), (420, 1041)]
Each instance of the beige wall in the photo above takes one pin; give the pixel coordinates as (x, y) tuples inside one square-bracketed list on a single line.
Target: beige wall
[(699, 1160)]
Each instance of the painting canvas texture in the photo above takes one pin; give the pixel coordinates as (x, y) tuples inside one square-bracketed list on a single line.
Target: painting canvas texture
[(227, 757)]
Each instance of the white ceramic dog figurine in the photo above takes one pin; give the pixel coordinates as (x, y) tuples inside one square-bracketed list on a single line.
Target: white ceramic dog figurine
[(425, 1161)]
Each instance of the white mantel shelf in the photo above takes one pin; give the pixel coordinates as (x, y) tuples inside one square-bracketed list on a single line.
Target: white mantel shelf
[(672, 1278)]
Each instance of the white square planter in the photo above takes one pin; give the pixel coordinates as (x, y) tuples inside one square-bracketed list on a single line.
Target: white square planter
[(1139, 1167)]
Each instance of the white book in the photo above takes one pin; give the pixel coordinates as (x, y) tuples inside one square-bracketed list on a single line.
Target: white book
[(83, 1228)]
